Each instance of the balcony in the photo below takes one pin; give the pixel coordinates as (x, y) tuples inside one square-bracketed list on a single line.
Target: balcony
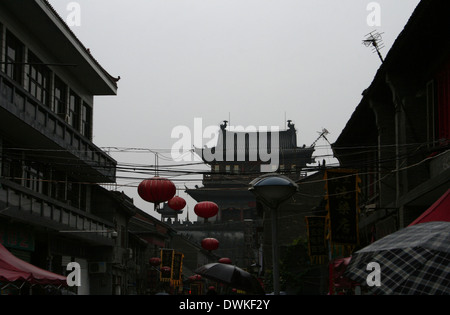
[(33, 125), (22, 204)]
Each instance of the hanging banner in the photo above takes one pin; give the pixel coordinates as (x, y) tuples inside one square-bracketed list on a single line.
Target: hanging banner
[(166, 261), (317, 245), (342, 187), (177, 268)]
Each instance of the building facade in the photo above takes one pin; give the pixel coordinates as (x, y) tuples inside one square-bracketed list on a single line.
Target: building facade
[(52, 210), (398, 135), (238, 158)]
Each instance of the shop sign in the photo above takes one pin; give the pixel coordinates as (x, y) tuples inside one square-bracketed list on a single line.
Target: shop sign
[(342, 196), (17, 237), (316, 230)]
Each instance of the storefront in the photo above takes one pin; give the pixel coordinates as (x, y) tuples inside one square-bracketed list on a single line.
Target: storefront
[(15, 273)]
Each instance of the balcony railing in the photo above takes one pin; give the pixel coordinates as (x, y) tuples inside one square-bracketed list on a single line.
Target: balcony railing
[(26, 205), (21, 104)]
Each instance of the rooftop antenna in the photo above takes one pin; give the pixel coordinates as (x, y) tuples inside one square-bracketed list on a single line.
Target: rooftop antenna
[(322, 134), (374, 39)]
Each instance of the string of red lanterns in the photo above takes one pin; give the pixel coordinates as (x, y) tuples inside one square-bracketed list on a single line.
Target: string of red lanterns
[(207, 209), (159, 189)]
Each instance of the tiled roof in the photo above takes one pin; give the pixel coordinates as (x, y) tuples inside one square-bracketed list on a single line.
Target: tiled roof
[(111, 78)]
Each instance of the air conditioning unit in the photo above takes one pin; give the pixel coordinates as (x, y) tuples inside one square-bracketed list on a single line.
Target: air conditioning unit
[(97, 267)]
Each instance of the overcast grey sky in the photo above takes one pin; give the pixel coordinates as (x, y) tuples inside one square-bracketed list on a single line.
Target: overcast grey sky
[(253, 61)]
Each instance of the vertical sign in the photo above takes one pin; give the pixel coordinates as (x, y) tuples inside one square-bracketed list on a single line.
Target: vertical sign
[(342, 205), (166, 261), (316, 231), (177, 268)]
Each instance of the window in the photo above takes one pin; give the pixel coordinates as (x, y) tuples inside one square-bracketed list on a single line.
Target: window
[(123, 236), (73, 194), (236, 169), (11, 169), (33, 179), (216, 168), (86, 121), (58, 188), (227, 168), (38, 78), (74, 111), (60, 98), (83, 197), (14, 57)]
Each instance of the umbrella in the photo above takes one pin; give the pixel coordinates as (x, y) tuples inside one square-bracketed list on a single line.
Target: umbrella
[(414, 260), (231, 275)]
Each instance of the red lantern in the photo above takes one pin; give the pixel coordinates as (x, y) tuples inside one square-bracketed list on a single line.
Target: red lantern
[(195, 278), (155, 261), (210, 244), (225, 260), (177, 203), (206, 209), (165, 272), (156, 190)]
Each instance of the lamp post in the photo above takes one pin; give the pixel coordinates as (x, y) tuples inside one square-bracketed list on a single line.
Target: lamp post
[(272, 190)]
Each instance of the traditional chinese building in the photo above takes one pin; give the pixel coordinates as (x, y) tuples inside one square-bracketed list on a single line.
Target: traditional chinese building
[(238, 158)]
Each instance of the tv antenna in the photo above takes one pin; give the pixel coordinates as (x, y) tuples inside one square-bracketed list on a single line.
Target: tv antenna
[(322, 134), (375, 40)]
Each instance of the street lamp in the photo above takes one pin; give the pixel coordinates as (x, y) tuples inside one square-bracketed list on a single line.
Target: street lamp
[(272, 190)]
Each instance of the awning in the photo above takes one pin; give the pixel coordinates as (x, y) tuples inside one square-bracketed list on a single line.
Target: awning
[(439, 211), (14, 269)]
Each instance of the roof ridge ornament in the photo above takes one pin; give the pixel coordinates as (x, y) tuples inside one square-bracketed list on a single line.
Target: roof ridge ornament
[(224, 125)]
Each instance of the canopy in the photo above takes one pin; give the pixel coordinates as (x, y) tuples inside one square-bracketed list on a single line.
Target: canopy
[(439, 211), (15, 269)]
